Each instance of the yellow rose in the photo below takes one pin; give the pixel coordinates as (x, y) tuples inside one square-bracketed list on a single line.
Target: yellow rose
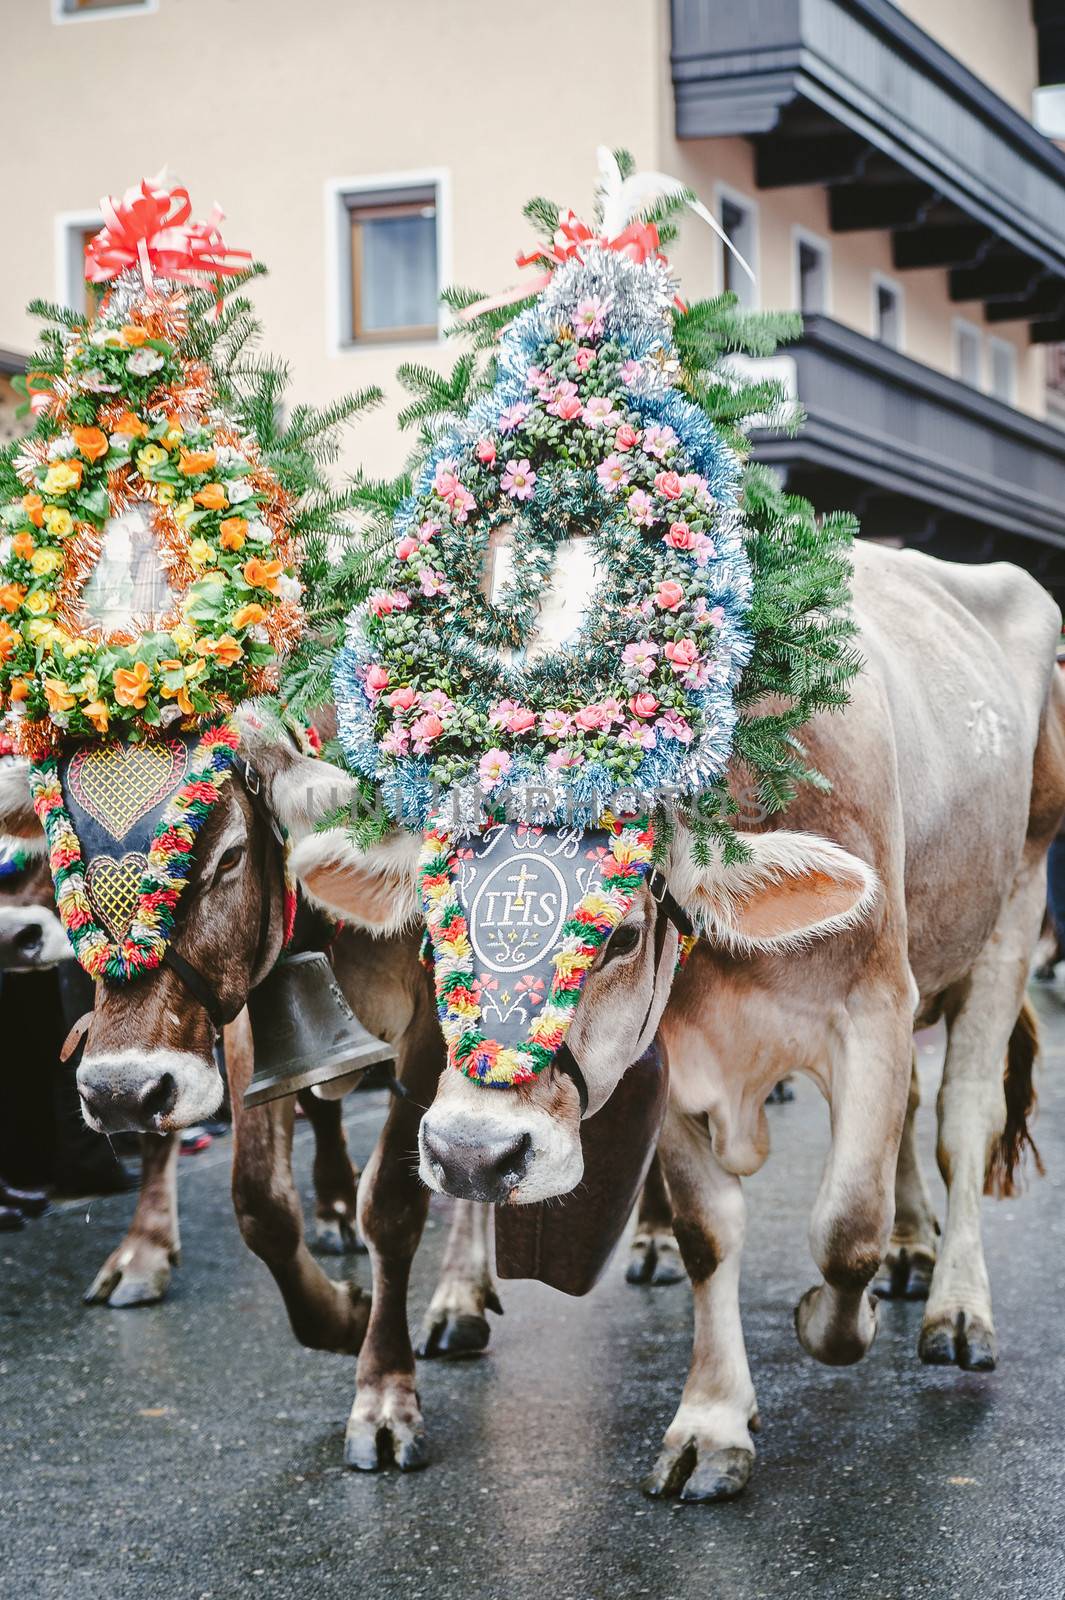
[(89, 687), (183, 636), (45, 561), (149, 456), (184, 509), (40, 630), (60, 477), (58, 521), (39, 603), (174, 433), (199, 552), (75, 647), (194, 668), (166, 494)]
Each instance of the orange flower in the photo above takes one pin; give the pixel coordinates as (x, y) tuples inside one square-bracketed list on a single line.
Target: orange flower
[(194, 462), (180, 694), (262, 574), (247, 616), (91, 442), (132, 685), (227, 651), (7, 640), (20, 688), (212, 496), (129, 423), (133, 336), (22, 545), (231, 533), (98, 714), (33, 506), (58, 695), (12, 595)]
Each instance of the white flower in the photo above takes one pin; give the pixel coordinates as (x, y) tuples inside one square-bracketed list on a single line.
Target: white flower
[(289, 588), (5, 547), (240, 489), (17, 708), (105, 338), (62, 446), (169, 714), (259, 532), (96, 383), (121, 441), (259, 634), (144, 361), (228, 455)]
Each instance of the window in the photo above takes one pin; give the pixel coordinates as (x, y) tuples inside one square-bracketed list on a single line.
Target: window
[(739, 220), (84, 10), (968, 352), (887, 313), (811, 274), (73, 234), (393, 273), (1003, 359)]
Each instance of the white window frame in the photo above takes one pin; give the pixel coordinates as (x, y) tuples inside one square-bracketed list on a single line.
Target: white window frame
[(996, 342), (725, 191), (960, 325), (143, 8), (338, 246), (69, 274), (815, 241), (882, 281)]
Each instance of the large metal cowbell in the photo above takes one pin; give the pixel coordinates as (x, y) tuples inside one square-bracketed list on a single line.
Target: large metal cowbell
[(305, 1032)]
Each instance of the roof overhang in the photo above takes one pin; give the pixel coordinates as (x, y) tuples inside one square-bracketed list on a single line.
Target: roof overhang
[(852, 95)]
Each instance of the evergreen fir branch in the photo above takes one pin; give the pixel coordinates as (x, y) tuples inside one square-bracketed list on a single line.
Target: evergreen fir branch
[(543, 215)]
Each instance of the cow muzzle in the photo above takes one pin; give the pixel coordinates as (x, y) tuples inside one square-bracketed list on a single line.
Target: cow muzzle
[(157, 1091), (510, 1155)]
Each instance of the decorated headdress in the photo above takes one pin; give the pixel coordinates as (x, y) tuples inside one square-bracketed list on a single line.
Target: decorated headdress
[(582, 594), (155, 523)]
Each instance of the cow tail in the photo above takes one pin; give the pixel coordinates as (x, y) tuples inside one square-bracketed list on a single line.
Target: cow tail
[(1007, 1152)]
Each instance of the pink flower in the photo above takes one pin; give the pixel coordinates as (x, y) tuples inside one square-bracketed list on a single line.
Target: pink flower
[(402, 699), (641, 655), (486, 452), (612, 474), (452, 491), (612, 709), (659, 441), (668, 484), (396, 741), (638, 733), (599, 412), (427, 530), (518, 479), (521, 720), (436, 700), (376, 680), (716, 617), (568, 407), (559, 759), (588, 321), (432, 582), (643, 705), (679, 536), (627, 437), (399, 600), (584, 358), (631, 373), (540, 381), (424, 730), (554, 724), (406, 548), (500, 714), (642, 509), (379, 603), (514, 416), (683, 653), (589, 719), (493, 767), (698, 485), (563, 390), (670, 594), (673, 726), (703, 548)]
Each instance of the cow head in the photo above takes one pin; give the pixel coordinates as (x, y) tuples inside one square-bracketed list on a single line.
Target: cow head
[(522, 1144), (31, 936), (148, 1062)]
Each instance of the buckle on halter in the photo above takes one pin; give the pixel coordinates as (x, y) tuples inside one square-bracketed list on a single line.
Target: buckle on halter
[(657, 885), (252, 780)]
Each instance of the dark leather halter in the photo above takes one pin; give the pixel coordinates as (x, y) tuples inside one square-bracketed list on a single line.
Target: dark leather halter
[(669, 910)]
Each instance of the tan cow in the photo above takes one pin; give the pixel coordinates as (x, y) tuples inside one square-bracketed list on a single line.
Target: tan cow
[(925, 865)]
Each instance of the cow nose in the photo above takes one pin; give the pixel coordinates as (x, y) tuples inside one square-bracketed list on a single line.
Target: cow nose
[(488, 1170), (21, 947), (122, 1110)]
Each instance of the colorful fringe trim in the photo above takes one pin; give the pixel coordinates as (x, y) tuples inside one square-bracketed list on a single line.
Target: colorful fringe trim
[(169, 863), (583, 936)]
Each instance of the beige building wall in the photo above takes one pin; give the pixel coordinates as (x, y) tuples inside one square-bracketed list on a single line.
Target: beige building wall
[(264, 106), (993, 38)]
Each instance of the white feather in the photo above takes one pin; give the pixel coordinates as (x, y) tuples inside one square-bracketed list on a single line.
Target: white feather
[(622, 199)]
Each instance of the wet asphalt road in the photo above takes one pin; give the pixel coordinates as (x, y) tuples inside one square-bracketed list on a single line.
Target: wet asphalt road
[(193, 1450)]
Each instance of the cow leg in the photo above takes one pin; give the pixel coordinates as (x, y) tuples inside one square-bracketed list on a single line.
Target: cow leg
[(324, 1315), (906, 1271), (984, 1023), (455, 1323), (137, 1273), (335, 1179), (653, 1253), (707, 1452), (851, 1222)]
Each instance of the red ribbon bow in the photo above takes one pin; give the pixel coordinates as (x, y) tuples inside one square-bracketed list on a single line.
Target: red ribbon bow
[(150, 228)]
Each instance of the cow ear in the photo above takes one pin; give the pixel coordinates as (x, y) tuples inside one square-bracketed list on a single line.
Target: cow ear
[(793, 887), (376, 888), (302, 790), (18, 820)]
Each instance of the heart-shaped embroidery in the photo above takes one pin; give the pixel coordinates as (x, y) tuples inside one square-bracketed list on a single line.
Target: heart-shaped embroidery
[(120, 783), (114, 888)]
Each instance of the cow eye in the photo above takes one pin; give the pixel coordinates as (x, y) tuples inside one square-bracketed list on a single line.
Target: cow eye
[(231, 858), (623, 940)]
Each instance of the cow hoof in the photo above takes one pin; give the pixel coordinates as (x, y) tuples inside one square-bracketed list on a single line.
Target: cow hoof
[(961, 1340), (385, 1429), (699, 1479), (654, 1258), (141, 1280), (829, 1338), (336, 1236), (452, 1336), (904, 1275)]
